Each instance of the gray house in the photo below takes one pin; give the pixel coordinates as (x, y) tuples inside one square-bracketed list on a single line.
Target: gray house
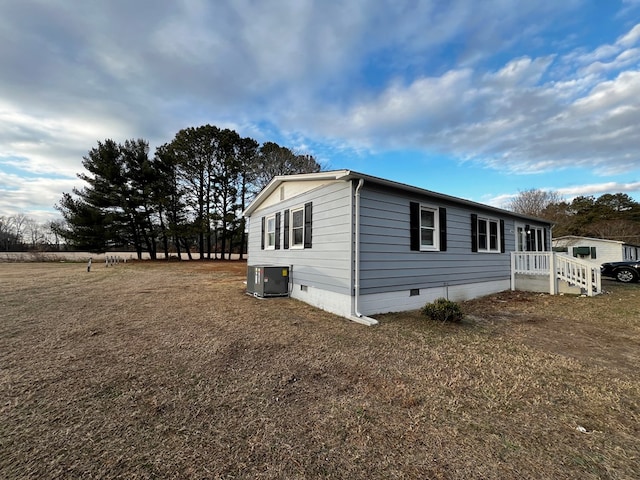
[(357, 245)]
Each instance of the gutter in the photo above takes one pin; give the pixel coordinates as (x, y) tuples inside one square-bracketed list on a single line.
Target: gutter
[(357, 316)]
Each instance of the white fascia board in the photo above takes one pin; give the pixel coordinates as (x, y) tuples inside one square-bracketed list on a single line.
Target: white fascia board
[(301, 177)]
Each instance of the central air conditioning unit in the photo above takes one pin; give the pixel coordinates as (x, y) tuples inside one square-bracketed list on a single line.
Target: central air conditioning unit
[(267, 281)]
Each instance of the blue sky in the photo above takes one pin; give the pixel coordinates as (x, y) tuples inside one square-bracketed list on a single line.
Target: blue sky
[(479, 100)]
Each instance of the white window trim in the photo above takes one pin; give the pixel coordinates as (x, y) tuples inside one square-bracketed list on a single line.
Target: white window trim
[(488, 221), (436, 229), (292, 245), (267, 244), (540, 240)]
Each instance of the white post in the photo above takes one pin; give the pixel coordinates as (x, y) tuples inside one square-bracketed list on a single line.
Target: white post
[(513, 270), (553, 282)]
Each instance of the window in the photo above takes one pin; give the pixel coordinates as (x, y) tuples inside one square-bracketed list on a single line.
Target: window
[(270, 232), (297, 227), (630, 252), (428, 227), (487, 234)]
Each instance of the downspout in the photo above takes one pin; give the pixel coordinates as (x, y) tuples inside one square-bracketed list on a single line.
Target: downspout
[(357, 316)]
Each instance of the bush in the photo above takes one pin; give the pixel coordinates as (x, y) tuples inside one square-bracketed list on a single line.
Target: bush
[(443, 310)]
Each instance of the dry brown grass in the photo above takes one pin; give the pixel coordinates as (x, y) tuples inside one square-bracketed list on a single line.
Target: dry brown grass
[(171, 371)]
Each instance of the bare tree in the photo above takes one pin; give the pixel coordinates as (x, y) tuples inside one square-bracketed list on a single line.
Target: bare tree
[(618, 229), (36, 232), (533, 202), (6, 234), (53, 227), (272, 160), (19, 224)]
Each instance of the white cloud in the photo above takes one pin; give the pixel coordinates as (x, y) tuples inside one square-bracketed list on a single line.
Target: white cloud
[(612, 55), (599, 189), (569, 193), (49, 143), (509, 119), (34, 195), (630, 38), (521, 71)]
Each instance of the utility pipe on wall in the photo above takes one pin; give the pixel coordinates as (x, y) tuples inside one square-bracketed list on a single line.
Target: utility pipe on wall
[(358, 317)]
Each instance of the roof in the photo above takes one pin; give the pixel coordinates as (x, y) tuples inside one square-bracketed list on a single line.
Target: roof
[(592, 239), (348, 175)]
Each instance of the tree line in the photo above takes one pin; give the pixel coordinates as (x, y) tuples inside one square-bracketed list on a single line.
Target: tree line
[(20, 232), (186, 198), (613, 216)]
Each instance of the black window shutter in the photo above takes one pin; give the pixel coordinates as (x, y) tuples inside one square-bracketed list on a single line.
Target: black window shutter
[(443, 229), (286, 229), (278, 231), (307, 225), (414, 225), (262, 236), (474, 232), (502, 243)]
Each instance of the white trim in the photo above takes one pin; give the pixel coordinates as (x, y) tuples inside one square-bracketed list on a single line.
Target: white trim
[(267, 245), (436, 228), (302, 177), (533, 229), (292, 244), (488, 221)]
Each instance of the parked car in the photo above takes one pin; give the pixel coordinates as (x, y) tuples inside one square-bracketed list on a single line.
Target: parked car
[(625, 272)]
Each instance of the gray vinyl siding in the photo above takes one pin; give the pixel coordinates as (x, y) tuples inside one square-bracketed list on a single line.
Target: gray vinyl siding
[(387, 262), (327, 264)]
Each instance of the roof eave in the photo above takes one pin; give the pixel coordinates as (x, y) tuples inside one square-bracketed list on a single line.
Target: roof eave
[(279, 179), (351, 175)]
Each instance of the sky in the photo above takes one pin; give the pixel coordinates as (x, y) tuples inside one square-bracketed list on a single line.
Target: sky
[(480, 100)]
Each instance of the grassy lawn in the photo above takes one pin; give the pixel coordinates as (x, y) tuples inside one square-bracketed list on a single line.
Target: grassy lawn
[(149, 370)]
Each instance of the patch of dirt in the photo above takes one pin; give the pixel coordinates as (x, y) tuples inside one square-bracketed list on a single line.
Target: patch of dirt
[(574, 326)]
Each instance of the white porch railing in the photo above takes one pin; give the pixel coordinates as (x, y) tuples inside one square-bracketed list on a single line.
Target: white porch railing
[(584, 274), (580, 273), (532, 263)]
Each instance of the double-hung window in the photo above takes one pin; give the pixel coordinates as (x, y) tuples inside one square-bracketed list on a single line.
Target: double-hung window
[(429, 237), (487, 234), (270, 233), (297, 228), (428, 227)]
